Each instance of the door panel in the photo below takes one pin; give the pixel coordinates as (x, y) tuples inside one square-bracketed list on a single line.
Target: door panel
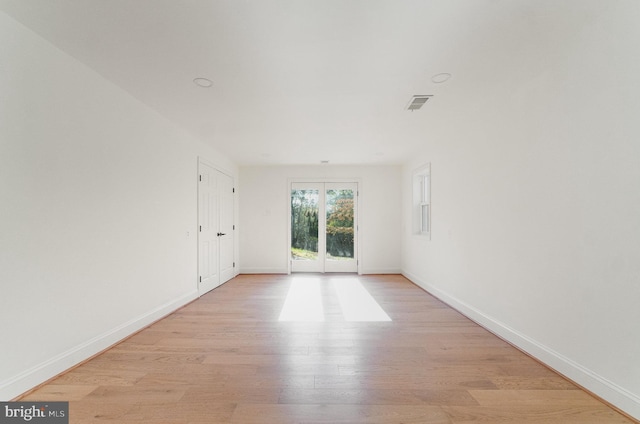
[(341, 225), (226, 192), (323, 227), (306, 227), (208, 227)]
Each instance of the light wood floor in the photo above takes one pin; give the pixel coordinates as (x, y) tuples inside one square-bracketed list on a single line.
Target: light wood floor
[(226, 358)]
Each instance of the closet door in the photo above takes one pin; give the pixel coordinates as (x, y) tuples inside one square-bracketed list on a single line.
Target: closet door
[(216, 263)]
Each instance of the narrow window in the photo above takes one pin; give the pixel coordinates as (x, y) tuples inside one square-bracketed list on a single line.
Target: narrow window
[(422, 201)]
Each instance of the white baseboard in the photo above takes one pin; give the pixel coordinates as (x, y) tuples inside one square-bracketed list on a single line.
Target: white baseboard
[(27, 380), (264, 271), (617, 396), (380, 271), (286, 271)]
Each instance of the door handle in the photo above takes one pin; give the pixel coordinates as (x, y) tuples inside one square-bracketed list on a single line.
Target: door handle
[(221, 234)]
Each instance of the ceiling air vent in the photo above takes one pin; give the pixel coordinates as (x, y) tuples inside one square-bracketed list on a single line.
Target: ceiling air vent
[(417, 102)]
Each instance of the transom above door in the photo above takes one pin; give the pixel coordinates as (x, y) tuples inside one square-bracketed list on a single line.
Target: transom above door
[(324, 227)]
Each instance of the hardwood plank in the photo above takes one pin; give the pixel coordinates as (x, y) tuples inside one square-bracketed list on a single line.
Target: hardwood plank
[(137, 394), (295, 368), (402, 381), (213, 412), (536, 414), (97, 411), (60, 392), (533, 397), (318, 413), (532, 383), (377, 397), (237, 395), (100, 377), (231, 359), (271, 381)]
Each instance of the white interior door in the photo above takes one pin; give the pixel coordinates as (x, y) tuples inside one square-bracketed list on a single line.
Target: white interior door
[(209, 277), (324, 227), (215, 228), (226, 194)]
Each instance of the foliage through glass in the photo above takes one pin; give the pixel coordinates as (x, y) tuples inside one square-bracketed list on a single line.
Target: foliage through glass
[(340, 231), (304, 224)]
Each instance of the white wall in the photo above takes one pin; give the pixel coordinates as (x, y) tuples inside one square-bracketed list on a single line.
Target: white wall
[(264, 219), (536, 197), (97, 195)]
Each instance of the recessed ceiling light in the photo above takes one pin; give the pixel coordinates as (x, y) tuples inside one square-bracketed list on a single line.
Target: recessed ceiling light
[(203, 82), (441, 77)]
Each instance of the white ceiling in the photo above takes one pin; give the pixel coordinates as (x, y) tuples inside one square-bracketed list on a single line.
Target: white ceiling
[(299, 81)]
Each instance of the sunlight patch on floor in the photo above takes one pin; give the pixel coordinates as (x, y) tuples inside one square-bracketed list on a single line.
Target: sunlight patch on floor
[(356, 303), (304, 301)]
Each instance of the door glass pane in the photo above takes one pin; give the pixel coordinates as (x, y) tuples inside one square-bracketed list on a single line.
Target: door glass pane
[(424, 218), (339, 209), (304, 224)]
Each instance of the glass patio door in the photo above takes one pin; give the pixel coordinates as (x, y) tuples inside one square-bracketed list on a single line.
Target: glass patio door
[(324, 227)]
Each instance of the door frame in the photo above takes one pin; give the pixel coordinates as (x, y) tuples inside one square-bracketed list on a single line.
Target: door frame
[(358, 182)]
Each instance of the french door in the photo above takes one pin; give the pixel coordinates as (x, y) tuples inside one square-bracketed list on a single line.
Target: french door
[(324, 227)]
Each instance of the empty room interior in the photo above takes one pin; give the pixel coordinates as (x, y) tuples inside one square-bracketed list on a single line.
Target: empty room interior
[(321, 211)]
